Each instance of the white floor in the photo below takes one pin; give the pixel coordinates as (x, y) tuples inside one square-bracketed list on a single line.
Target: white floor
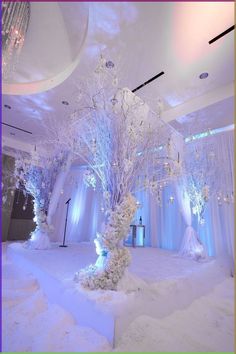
[(178, 305)]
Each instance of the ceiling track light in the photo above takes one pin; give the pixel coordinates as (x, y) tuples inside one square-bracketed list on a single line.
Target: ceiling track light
[(148, 82), (222, 34), (14, 127)]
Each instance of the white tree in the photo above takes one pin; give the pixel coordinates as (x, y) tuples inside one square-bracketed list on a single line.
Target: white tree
[(42, 174), (200, 169), (198, 184), (36, 174), (127, 147)]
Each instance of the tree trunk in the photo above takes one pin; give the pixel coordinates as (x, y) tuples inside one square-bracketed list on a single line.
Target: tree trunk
[(39, 238)]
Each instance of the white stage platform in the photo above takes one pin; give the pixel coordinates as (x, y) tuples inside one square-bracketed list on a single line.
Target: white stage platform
[(158, 283)]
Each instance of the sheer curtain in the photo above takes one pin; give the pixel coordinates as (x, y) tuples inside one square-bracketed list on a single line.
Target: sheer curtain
[(84, 216), (218, 231), (147, 211), (217, 234), (191, 246), (164, 222), (170, 220)]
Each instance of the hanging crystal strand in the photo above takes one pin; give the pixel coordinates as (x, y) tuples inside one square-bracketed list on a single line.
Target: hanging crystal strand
[(19, 36), (21, 20), (27, 15), (25, 24), (18, 20), (9, 13), (18, 196), (5, 28), (15, 19), (13, 14), (4, 14), (26, 202), (17, 24), (9, 42)]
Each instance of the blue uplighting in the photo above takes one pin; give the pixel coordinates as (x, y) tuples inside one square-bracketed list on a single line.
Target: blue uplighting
[(140, 236), (208, 133)]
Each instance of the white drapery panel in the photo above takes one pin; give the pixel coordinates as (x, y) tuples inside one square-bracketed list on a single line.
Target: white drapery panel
[(84, 216), (60, 181), (184, 201), (190, 245), (218, 231)]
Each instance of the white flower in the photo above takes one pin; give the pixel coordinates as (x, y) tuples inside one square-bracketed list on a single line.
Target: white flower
[(89, 179), (106, 195), (127, 165), (115, 81)]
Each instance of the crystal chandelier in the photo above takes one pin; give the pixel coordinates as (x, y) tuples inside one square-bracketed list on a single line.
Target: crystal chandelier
[(15, 20)]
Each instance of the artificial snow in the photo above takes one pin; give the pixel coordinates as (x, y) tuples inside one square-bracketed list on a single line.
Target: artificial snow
[(32, 324), (163, 303), (206, 325)]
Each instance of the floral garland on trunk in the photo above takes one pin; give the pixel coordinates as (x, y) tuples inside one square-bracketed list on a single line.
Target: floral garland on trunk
[(113, 257)]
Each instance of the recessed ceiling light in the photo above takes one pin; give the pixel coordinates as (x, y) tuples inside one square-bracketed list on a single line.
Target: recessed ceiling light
[(65, 103), (203, 76), (7, 106)]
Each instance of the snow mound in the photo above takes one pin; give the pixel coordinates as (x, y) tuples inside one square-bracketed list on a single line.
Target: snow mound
[(17, 285), (31, 324), (206, 325), (131, 283), (116, 301), (61, 334)]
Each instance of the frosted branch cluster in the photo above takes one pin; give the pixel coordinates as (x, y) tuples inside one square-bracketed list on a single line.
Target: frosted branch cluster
[(37, 175)]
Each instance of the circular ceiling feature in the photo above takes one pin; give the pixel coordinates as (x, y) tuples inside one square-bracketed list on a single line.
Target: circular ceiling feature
[(52, 47)]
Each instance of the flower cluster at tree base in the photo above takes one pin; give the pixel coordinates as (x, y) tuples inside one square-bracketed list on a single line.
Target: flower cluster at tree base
[(39, 240), (93, 277)]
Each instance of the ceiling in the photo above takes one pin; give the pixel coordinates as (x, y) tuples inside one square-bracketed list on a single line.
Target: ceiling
[(214, 116), (143, 39)]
